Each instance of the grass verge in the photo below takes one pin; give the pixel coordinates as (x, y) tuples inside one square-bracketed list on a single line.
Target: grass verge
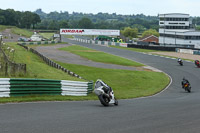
[(22, 32), (126, 83), (47, 35), (99, 56), (36, 67)]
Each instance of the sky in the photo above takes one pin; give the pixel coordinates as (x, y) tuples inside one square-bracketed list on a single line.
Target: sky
[(124, 7)]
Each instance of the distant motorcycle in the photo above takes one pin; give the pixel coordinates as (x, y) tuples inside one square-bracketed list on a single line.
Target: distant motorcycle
[(186, 85), (105, 93), (196, 62), (180, 62)]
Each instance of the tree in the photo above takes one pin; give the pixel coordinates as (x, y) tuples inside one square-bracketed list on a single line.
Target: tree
[(35, 19), (150, 32), (53, 25), (130, 32), (26, 19), (2, 20), (85, 23), (63, 24)]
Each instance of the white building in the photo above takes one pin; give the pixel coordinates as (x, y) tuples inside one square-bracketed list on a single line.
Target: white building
[(176, 30)]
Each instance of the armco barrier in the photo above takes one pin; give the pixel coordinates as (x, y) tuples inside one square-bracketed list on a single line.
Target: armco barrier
[(24, 87), (41, 42), (152, 47)]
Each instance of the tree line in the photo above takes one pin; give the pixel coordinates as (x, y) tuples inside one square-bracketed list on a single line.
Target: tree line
[(25, 19), (56, 20)]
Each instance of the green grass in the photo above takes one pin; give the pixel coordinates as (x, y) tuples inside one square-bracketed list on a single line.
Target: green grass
[(36, 67), (22, 32), (18, 31), (68, 36), (3, 27), (126, 83), (136, 49), (47, 35), (46, 98), (99, 56)]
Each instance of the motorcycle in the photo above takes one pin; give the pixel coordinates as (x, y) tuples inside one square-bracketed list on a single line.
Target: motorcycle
[(197, 63), (105, 93), (187, 87), (180, 62)]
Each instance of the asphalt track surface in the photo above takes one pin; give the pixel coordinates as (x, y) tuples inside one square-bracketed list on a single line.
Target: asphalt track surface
[(172, 111)]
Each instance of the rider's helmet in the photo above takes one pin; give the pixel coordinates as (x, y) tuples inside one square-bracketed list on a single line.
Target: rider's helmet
[(179, 59)]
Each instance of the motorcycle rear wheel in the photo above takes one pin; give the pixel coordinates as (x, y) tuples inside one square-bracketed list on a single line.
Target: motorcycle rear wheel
[(104, 100)]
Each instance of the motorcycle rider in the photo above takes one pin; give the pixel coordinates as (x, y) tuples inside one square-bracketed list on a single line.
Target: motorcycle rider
[(180, 60), (184, 81), (197, 62), (106, 88)]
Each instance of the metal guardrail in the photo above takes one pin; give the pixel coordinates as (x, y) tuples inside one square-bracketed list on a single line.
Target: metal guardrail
[(40, 42), (23, 87)]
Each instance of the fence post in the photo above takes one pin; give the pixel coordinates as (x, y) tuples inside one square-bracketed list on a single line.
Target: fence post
[(6, 69)]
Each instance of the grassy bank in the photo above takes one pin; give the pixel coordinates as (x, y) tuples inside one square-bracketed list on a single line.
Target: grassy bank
[(18, 31), (99, 56), (47, 35), (126, 83), (36, 67), (3, 27), (22, 32)]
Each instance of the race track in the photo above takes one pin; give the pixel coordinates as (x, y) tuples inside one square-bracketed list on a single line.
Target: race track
[(172, 111)]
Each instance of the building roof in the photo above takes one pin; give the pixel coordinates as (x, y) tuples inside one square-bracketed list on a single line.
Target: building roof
[(146, 37), (174, 15)]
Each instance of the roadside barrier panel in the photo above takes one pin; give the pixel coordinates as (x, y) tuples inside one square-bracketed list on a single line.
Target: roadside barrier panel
[(102, 42), (23, 87), (40, 42)]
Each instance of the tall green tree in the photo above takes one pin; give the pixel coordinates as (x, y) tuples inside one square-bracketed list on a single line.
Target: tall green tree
[(130, 32), (150, 32), (35, 19), (85, 23), (63, 24)]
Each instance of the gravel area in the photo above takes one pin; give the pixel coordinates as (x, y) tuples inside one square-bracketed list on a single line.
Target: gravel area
[(9, 36)]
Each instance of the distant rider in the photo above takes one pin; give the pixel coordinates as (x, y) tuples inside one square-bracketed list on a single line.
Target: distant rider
[(197, 62), (184, 81), (179, 60)]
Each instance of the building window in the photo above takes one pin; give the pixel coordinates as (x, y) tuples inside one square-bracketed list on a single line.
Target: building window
[(162, 19), (174, 19)]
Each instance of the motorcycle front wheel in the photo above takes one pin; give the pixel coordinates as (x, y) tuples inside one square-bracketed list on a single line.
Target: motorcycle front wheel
[(189, 89), (104, 100), (116, 102)]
